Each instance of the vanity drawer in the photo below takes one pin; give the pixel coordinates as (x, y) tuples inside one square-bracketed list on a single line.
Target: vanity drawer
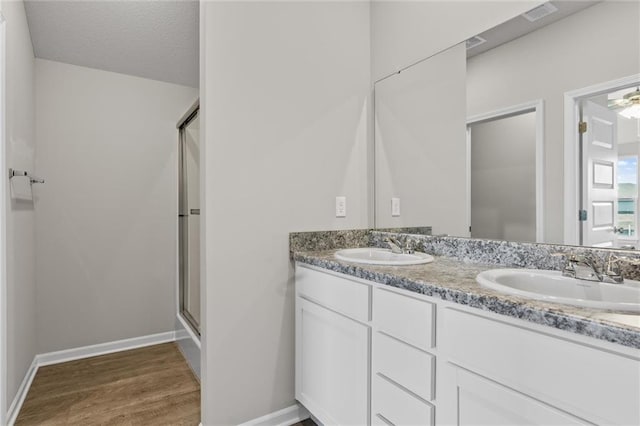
[(391, 405), (406, 318), (405, 365), (340, 294)]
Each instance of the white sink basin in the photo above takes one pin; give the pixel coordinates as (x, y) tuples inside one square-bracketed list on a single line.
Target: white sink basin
[(551, 286), (380, 256)]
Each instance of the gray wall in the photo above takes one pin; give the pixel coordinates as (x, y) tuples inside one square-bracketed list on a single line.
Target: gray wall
[(420, 128), (20, 151), (420, 147), (106, 218), (595, 45), (503, 178), (285, 130), (404, 32)]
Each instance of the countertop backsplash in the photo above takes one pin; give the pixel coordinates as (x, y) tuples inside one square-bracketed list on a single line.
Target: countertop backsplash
[(503, 253), (349, 238)]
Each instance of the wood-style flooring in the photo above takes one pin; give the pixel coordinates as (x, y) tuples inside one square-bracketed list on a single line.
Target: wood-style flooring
[(147, 386)]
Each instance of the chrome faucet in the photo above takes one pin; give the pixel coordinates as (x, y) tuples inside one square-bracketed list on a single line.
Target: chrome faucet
[(613, 270), (399, 248), (587, 267), (394, 245), (582, 267)]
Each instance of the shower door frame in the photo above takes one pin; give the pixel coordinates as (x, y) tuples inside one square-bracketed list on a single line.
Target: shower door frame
[(183, 216), (4, 177)]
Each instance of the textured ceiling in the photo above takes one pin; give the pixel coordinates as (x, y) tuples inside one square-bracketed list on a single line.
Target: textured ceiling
[(151, 39)]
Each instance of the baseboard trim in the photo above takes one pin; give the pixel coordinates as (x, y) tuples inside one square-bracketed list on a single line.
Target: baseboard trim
[(67, 355), (16, 405), (285, 417), (104, 348)]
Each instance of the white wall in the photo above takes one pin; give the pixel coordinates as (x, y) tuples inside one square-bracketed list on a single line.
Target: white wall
[(503, 178), (285, 90), (20, 150), (405, 32), (106, 217), (575, 52), (420, 128)]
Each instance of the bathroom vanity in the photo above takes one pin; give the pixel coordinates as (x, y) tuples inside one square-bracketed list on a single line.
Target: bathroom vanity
[(425, 344)]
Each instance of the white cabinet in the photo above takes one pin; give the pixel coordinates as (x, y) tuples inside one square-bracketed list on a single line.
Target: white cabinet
[(393, 406), (345, 296), (332, 353), (482, 402), (403, 384), (411, 368), (405, 317), (584, 377), (370, 354)]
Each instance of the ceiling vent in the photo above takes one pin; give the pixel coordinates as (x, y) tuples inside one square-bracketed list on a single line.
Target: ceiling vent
[(475, 41), (540, 12)]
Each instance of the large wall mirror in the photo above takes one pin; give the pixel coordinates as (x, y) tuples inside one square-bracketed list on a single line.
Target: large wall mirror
[(526, 131)]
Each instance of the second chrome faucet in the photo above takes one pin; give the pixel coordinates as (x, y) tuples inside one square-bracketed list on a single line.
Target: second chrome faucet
[(588, 267)]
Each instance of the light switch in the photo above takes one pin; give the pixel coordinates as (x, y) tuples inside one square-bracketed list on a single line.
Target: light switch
[(341, 206), (395, 207)]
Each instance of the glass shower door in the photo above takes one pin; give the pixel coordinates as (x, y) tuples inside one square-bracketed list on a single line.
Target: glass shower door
[(189, 220)]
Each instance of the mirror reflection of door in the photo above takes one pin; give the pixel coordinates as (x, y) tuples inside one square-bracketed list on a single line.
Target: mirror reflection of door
[(503, 178), (610, 144), (190, 221), (599, 164)]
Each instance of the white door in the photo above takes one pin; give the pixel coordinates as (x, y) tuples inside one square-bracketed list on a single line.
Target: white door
[(599, 174)]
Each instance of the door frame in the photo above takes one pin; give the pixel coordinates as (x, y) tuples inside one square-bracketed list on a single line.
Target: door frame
[(536, 106), (572, 169), (4, 181), (182, 251)]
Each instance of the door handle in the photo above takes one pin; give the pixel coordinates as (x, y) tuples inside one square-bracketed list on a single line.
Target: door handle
[(619, 230), (195, 211)]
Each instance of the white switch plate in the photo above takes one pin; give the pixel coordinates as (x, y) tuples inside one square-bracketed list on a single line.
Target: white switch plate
[(395, 207), (341, 206)]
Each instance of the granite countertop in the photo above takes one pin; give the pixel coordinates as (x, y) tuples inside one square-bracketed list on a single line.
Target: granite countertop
[(454, 281)]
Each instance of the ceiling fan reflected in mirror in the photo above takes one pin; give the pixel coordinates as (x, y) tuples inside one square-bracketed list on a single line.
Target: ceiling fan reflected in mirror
[(630, 102)]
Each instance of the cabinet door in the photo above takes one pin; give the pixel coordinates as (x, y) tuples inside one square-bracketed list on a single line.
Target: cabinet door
[(484, 402), (592, 383), (332, 365)]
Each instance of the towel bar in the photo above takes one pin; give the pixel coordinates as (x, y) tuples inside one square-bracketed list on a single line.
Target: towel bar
[(13, 173)]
